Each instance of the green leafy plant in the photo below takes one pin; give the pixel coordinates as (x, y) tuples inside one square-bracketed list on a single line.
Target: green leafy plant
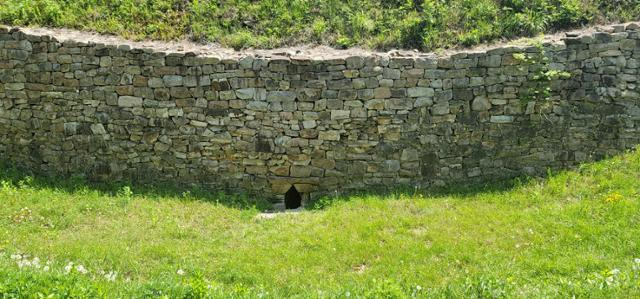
[(125, 192), (542, 76)]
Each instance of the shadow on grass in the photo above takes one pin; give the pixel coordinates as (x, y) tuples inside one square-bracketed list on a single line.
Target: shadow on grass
[(20, 176), (464, 190), (459, 190), (242, 200)]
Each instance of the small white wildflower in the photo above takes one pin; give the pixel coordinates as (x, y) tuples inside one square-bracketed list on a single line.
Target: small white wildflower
[(81, 269), (68, 267), (111, 276), (609, 280), (419, 288), (637, 261), (24, 263), (36, 262), (180, 272), (16, 257), (45, 269), (615, 271), (347, 294)]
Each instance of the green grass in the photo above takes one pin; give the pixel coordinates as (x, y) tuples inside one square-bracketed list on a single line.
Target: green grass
[(379, 24), (574, 233)]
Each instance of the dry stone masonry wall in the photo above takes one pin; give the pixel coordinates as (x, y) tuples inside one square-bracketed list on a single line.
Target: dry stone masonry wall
[(356, 123)]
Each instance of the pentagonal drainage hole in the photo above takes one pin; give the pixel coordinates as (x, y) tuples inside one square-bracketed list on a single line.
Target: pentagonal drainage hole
[(292, 199)]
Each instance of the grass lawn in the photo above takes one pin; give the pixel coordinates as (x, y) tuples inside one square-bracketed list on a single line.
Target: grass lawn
[(574, 233)]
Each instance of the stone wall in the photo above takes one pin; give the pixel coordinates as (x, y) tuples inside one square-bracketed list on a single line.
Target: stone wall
[(356, 123)]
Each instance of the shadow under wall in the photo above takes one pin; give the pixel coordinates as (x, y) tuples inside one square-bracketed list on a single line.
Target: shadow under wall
[(292, 199)]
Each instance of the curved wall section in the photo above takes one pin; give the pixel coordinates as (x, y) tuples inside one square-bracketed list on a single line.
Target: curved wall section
[(356, 123)]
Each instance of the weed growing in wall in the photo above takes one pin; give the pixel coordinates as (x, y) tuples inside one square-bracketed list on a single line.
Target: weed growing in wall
[(542, 76)]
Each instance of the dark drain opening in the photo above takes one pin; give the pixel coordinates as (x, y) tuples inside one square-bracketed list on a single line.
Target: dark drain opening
[(292, 199)]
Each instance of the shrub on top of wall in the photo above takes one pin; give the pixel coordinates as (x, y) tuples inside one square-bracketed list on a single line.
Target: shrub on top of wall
[(378, 24)]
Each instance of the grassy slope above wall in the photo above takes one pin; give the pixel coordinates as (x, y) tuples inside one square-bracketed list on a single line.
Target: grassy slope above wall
[(380, 24), (575, 234)]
